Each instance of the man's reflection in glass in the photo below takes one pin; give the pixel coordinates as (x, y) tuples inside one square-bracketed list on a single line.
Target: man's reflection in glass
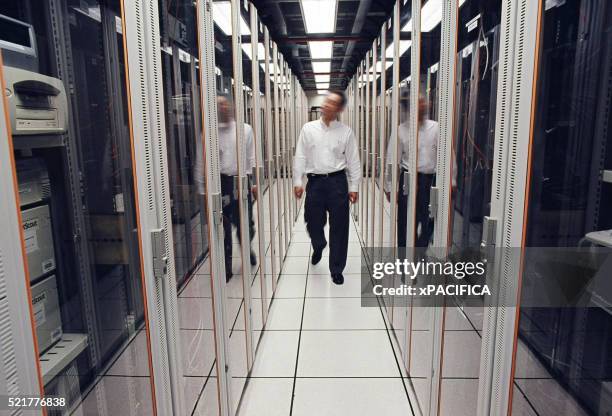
[(228, 160), (427, 154)]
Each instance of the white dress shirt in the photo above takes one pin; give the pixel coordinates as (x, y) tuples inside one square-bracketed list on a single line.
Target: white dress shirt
[(427, 155), (228, 157), (325, 149)]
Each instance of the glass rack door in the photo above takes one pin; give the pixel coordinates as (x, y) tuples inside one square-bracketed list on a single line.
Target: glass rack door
[(78, 202), (180, 64), (474, 117), (562, 350)]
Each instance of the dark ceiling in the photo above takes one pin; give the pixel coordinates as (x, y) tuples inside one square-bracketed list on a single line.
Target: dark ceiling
[(358, 23)]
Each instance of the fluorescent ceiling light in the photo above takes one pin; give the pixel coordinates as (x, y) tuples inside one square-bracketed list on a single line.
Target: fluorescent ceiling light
[(222, 15), (318, 67), (321, 50), (321, 78), (246, 47), (319, 15), (323, 85), (404, 45)]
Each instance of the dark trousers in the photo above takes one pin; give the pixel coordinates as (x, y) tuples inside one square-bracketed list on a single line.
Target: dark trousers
[(424, 182), (231, 216), (328, 195)]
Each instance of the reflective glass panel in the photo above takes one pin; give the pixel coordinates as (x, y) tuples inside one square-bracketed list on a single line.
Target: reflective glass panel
[(562, 363), (472, 157), (73, 151), (186, 175)]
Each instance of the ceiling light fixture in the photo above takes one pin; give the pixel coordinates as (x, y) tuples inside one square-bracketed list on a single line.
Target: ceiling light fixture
[(318, 67), (321, 50), (321, 78), (319, 15)]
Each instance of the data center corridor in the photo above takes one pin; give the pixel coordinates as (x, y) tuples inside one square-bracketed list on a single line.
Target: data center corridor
[(321, 352)]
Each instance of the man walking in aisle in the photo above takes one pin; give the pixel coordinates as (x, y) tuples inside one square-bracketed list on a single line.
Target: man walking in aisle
[(326, 153)]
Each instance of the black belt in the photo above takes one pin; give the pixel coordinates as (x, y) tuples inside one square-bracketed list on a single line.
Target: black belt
[(325, 175)]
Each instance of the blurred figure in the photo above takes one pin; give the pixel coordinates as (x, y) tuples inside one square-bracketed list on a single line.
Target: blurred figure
[(427, 156), (228, 160), (325, 151)]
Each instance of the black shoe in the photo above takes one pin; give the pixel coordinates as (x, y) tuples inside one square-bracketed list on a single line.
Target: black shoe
[(316, 257), (253, 259), (337, 278)]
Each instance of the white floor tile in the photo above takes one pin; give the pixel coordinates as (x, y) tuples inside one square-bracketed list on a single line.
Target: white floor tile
[(195, 313), (238, 354), (461, 354), (234, 307), (285, 314), (355, 397), (475, 315), (299, 250), (256, 287), (418, 391), (198, 287), (300, 237), (455, 320), (420, 354), (234, 288), (291, 286), (277, 354), (340, 313), (421, 318), (193, 387), (256, 317), (208, 404), (198, 352), (296, 265), (267, 397), (459, 397), (237, 384), (346, 354)]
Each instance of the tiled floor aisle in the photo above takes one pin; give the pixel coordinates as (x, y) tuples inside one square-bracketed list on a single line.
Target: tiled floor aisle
[(322, 353)]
